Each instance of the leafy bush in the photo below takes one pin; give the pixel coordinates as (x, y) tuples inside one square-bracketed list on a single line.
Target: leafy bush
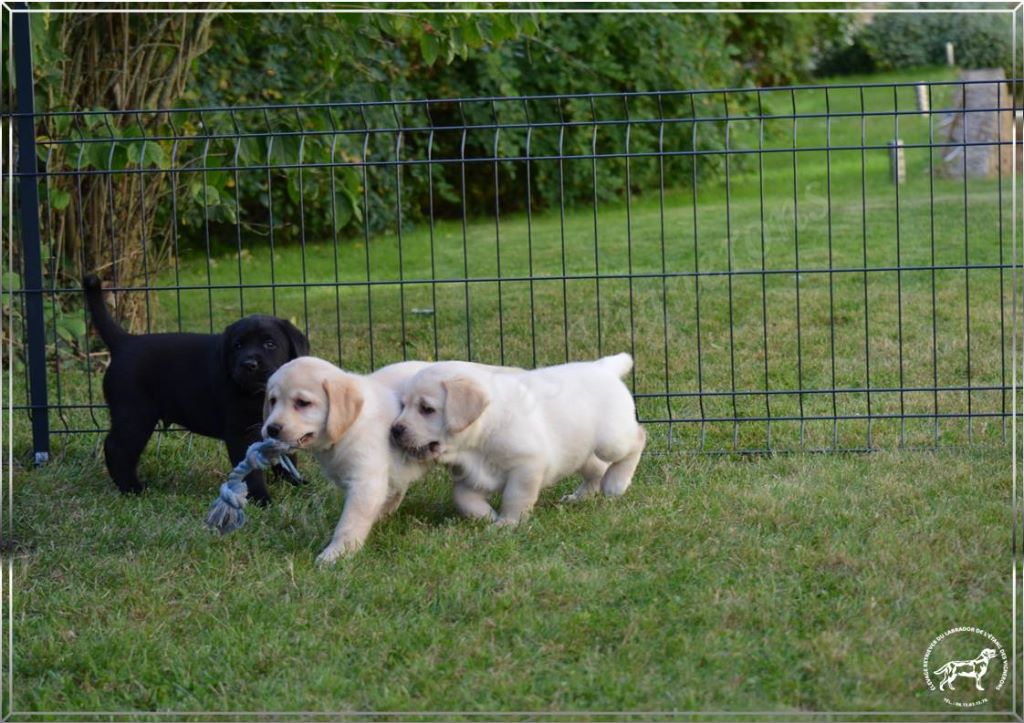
[(777, 49), (900, 41), (123, 224), (329, 58), (484, 56), (285, 168)]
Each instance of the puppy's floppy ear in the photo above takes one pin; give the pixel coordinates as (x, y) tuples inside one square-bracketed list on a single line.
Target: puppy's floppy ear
[(466, 401), (344, 403), (297, 342)]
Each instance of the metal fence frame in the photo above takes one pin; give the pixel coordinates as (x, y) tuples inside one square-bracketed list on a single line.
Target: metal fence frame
[(978, 394)]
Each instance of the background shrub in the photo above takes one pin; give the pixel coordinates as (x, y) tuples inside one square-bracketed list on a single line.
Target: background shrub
[(913, 40), (546, 54), (271, 58)]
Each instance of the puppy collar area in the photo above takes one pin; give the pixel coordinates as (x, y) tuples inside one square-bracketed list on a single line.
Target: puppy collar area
[(226, 514)]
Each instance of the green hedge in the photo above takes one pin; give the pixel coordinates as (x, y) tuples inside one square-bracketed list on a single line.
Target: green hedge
[(255, 59), (560, 54), (910, 40)]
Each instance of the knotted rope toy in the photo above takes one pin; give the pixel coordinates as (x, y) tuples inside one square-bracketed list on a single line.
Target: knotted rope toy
[(226, 514)]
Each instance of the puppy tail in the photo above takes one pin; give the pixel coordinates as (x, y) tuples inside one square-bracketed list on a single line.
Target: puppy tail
[(618, 364), (111, 333)]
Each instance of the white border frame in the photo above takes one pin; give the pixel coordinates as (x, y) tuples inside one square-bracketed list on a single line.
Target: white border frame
[(7, 710)]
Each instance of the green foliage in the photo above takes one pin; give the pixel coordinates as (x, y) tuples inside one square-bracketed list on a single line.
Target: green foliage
[(47, 59), (64, 328), (274, 58), (336, 58), (101, 142), (577, 54), (332, 57), (637, 53), (782, 48), (450, 56), (983, 41), (901, 41)]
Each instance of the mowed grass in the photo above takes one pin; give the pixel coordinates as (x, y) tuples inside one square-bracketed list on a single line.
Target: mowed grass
[(800, 583), (795, 583)]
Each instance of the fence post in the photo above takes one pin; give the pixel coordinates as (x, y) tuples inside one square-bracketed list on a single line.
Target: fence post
[(897, 161), (32, 283), (922, 98)]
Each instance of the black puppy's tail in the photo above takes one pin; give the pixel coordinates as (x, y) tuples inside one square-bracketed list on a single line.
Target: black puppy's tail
[(110, 331)]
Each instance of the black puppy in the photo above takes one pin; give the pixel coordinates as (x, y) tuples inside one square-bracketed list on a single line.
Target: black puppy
[(211, 384)]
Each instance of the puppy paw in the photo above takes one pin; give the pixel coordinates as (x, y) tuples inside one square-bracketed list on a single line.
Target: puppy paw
[(572, 497), (136, 488), (506, 522), (328, 557), (335, 551)]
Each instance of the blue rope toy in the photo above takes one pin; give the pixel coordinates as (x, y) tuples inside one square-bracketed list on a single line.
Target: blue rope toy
[(226, 514)]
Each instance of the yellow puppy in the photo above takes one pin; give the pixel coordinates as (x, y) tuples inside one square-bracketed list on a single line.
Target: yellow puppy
[(344, 420), (516, 432)]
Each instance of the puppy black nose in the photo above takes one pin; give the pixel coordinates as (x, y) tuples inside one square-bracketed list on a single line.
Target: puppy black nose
[(273, 430), (251, 364), (397, 430)]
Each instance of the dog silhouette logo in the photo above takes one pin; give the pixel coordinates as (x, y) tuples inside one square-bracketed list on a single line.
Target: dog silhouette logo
[(975, 669), (971, 655)]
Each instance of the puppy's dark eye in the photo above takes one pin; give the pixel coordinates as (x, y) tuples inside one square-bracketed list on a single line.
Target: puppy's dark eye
[(426, 410), (273, 401), (302, 403), (270, 344), (238, 345)]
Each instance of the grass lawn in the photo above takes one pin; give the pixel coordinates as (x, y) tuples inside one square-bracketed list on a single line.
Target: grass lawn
[(793, 583), (798, 583)]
